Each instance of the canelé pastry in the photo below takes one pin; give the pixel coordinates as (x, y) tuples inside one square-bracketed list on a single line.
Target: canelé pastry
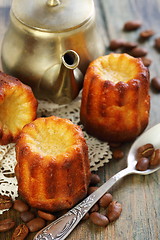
[(115, 98), (52, 168), (18, 107)]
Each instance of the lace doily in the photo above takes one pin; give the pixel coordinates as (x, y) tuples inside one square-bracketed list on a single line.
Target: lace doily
[(99, 152)]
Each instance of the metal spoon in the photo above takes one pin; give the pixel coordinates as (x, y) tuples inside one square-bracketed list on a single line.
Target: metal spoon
[(62, 227)]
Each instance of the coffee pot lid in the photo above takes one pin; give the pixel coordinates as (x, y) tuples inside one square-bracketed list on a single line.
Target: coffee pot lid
[(53, 15)]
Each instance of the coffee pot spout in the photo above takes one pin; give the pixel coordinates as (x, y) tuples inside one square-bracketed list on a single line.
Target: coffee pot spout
[(67, 79)]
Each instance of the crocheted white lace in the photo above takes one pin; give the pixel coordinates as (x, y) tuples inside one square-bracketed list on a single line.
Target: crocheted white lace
[(99, 152)]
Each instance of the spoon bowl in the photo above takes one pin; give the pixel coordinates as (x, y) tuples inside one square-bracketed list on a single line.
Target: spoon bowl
[(150, 136), (62, 227)]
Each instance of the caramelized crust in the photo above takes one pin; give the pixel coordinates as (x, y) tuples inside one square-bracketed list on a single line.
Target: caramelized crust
[(52, 164), (115, 100), (18, 107)]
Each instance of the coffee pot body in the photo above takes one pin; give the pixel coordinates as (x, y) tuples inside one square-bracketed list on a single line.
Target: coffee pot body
[(38, 36)]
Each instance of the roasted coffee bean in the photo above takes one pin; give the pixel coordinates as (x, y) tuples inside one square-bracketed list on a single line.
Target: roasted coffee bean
[(147, 34), (20, 206), (155, 82), (145, 151), (155, 158), (129, 45), (99, 219), (20, 233), (132, 25), (142, 164), (27, 216), (118, 154), (146, 61), (95, 208), (91, 190), (114, 211), (157, 43), (36, 224), (105, 200), (116, 44), (5, 202), (95, 179), (6, 224), (46, 216), (138, 52)]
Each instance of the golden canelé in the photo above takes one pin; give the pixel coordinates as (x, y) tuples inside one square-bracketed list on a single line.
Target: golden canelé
[(52, 168), (115, 99), (18, 107)]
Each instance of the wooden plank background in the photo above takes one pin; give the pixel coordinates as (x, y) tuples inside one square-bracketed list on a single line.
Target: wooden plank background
[(139, 195)]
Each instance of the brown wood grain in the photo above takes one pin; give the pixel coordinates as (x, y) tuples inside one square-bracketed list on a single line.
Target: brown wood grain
[(139, 195)]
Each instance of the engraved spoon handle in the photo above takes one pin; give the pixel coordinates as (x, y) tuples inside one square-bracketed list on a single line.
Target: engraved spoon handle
[(62, 227)]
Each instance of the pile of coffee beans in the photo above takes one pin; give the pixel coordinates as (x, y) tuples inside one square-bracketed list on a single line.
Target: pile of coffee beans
[(113, 212), (134, 50), (33, 220), (112, 208), (147, 157)]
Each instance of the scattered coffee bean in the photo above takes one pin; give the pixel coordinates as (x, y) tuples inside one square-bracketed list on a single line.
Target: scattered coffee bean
[(142, 164), (155, 158), (6, 224), (146, 150), (116, 44), (129, 45), (138, 52), (118, 154), (157, 43), (99, 219), (27, 216), (95, 208), (36, 224), (132, 25), (46, 216), (20, 233), (20, 206), (5, 202), (146, 61), (105, 200), (114, 211), (91, 190), (95, 179), (147, 34), (155, 82)]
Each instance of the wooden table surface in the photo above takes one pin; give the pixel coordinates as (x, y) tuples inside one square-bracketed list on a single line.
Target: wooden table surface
[(139, 195)]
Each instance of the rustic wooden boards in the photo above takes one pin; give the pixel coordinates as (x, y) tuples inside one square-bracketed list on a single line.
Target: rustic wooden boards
[(139, 195)]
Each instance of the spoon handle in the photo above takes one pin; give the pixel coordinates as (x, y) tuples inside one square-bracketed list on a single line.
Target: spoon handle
[(62, 227)]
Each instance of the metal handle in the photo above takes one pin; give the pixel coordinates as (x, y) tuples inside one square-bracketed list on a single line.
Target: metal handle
[(62, 227), (53, 3)]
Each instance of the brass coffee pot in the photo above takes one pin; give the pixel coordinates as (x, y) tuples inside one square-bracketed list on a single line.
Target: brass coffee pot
[(35, 44)]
